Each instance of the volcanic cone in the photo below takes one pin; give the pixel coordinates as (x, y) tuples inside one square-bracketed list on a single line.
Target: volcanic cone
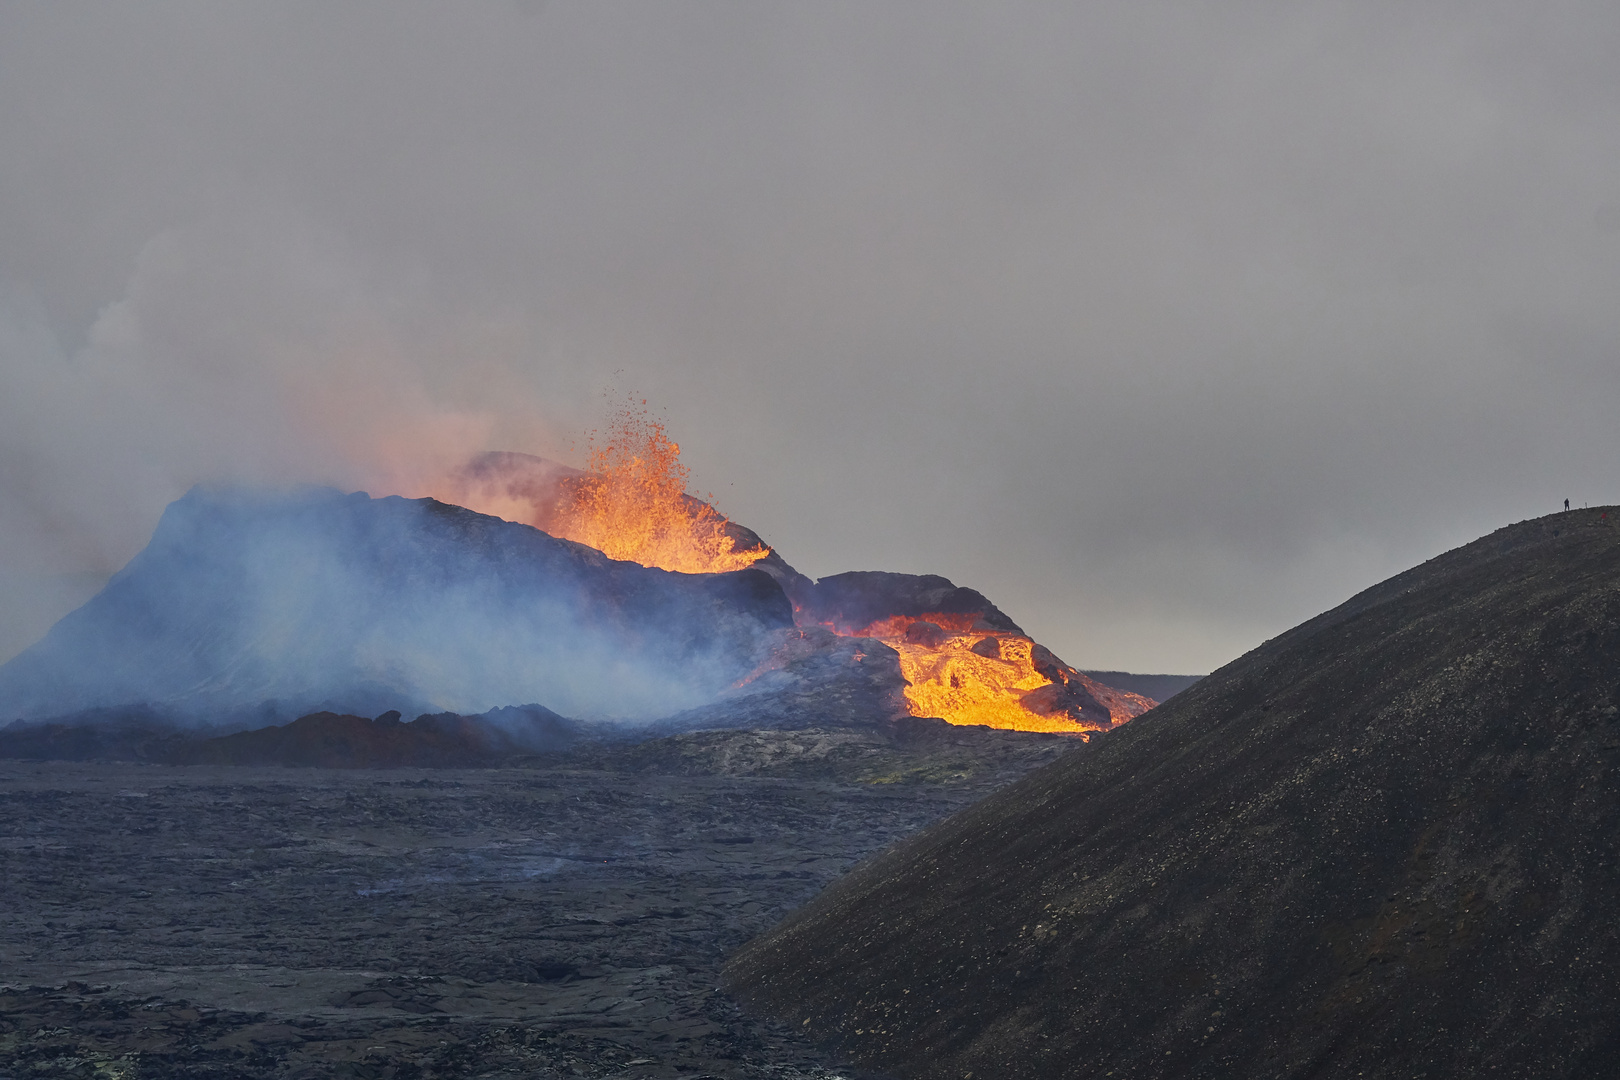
[(1385, 843)]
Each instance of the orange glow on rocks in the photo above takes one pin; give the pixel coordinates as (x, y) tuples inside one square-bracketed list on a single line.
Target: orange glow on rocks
[(951, 681), (631, 503), (991, 678), (971, 665)]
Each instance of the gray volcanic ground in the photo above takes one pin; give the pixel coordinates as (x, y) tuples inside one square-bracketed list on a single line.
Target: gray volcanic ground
[(567, 920)]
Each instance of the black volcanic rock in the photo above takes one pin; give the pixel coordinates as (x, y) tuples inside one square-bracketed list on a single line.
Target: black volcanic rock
[(563, 919), (260, 607), (1383, 844), (1068, 694), (851, 602), (811, 678)]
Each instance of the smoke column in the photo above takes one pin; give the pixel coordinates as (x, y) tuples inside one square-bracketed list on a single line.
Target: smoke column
[(245, 349)]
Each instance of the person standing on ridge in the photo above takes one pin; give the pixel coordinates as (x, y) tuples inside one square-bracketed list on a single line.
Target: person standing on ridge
[(1566, 504)]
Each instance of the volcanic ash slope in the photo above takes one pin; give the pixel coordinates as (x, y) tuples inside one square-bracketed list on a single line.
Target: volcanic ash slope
[(1386, 843)]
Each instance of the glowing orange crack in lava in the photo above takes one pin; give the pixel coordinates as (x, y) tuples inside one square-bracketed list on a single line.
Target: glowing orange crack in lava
[(631, 504)]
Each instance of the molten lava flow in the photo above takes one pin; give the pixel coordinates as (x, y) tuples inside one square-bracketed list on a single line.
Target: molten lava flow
[(631, 504), (967, 676), (964, 687)]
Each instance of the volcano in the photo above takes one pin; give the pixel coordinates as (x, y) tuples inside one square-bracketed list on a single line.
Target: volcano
[(1383, 844), (608, 594), (960, 658)]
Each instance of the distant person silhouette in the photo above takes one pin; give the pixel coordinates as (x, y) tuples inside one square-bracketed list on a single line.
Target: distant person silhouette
[(1566, 504)]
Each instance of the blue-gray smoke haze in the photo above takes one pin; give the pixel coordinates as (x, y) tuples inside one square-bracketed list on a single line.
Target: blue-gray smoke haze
[(253, 607), (1164, 326)]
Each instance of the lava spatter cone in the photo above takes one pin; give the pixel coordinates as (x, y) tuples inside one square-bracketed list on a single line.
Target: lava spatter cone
[(961, 658), (1385, 843)]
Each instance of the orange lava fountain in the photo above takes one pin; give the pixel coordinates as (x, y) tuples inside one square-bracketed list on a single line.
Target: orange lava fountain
[(631, 503)]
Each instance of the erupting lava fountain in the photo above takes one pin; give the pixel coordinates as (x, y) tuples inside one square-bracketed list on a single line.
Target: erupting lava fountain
[(963, 660)]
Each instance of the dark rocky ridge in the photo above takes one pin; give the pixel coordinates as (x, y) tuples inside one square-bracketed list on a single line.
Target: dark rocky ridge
[(441, 740), (850, 602), (1385, 843)]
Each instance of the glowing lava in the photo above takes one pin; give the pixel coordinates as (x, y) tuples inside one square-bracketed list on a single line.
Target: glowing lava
[(631, 503), (968, 666), (990, 677), (964, 687)]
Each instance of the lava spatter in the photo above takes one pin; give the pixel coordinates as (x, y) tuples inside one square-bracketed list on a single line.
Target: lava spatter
[(631, 503)]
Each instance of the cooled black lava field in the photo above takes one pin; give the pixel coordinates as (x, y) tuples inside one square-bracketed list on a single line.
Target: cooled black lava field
[(567, 920)]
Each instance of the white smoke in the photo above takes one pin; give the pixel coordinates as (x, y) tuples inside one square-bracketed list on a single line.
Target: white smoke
[(246, 348)]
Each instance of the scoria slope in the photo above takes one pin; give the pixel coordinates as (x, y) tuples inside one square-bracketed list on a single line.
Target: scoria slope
[(1385, 843)]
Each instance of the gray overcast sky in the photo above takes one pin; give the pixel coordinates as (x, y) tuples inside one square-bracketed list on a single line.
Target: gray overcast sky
[(1166, 326)]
